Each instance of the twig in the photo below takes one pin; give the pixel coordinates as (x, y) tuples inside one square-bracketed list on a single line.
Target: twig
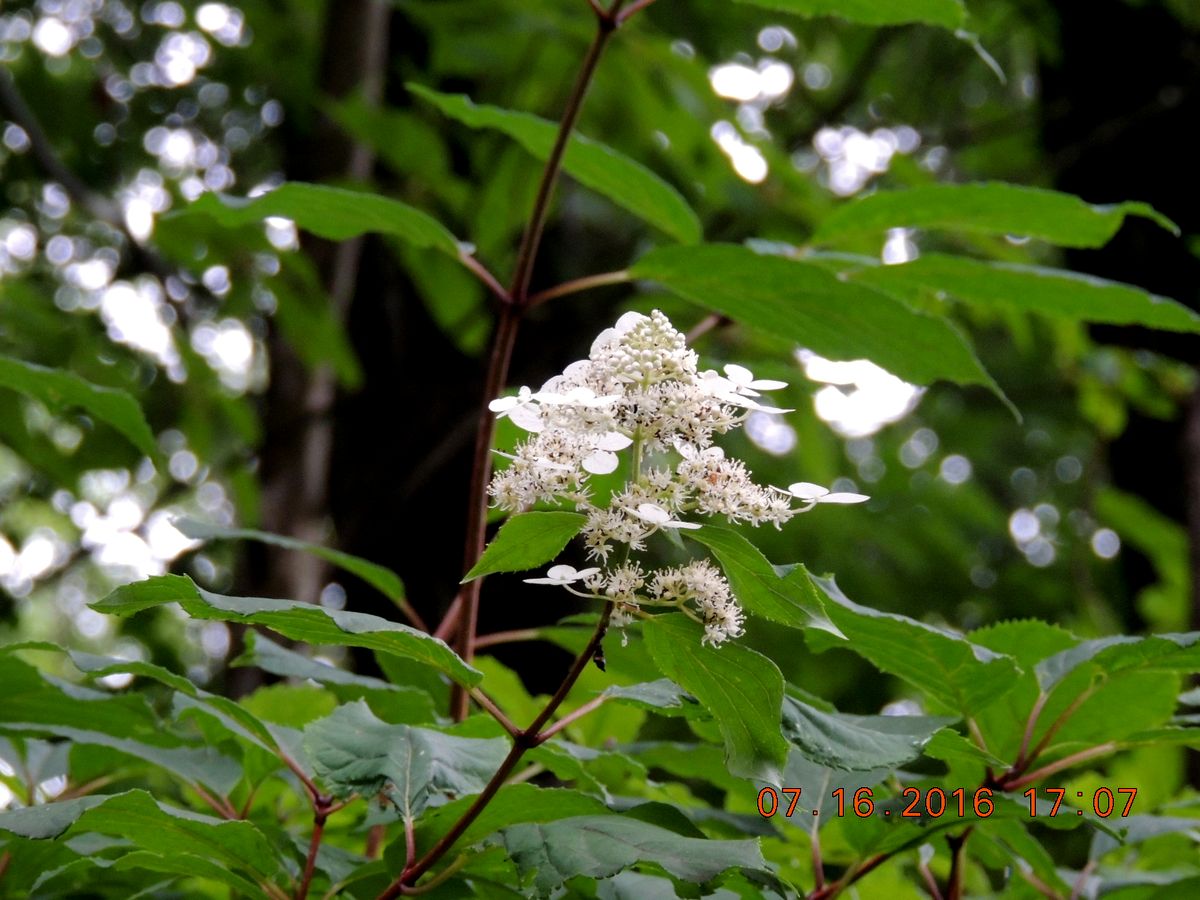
[(576, 285), (705, 325), (522, 741), (632, 10), (1060, 722), (320, 814), (221, 807), (1065, 763), (480, 271), (954, 884), (836, 887), (571, 717), (507, 637), (1081, 881), (1030, 725), (818, 860), (410, 843), (374, 841), (490, 706), (930, 882), (314, 792)]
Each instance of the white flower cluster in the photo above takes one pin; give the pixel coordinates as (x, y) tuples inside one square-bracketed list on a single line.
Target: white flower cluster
[(640, 390)]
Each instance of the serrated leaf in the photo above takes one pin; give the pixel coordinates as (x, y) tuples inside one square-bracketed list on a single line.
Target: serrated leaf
[(662, 695), (599, 846), (950, 746), (526, 541), (946, 13), (512, 804), (1028, 641), (1135, 829), (1159, 652), (57, 389), (741, 688), (355, 752), (803, 302), (990, 208), (379, 577), (1048, 292), (847, 742), (295, 620), (626, 182), (959, 674), (329, 212), (789, 599)]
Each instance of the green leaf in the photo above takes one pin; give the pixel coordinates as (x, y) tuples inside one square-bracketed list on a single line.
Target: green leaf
[(950, 746), (526, 541), (805, 303), (293, 619), (357, 753), (958, 674), (990, 208), (841, 741), (47, 820), (599, 846), (329, 212), (1135, 829), (627, 183), (946, 13), (741, 688), (662, 696), (1159, 652), (1050, 292), (789, 599), (379, 577), (512, 804), (58, 389)]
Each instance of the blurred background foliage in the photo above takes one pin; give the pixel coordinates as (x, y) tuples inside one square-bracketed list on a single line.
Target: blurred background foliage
[(329, 392)]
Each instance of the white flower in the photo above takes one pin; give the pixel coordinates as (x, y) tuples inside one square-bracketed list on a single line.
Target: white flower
[(561, 575), (814, 493), (658, 516), (603, 460), (522, 409), (746, 384)]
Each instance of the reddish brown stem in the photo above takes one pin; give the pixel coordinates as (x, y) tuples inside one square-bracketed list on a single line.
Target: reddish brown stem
[(836, 887), (506, 637), (1065, 763), (578, 284), (320, 815), (571, 717), (496, 713)]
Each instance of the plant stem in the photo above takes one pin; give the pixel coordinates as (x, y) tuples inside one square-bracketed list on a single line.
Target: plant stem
[(578, 284), (488, 704), (506, 637), (1030, 725), (834, 888), (818, 861), (1060, 722), (320, 814), (522, 741), (570, 717), (480, 271), (954, 885), (1065, 763)]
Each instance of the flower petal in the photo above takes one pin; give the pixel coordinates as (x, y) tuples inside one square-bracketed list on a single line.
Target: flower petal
[(806, 490), (627, 322), (767, 384), (527, 417), (656, 515), (843, 497), (600, 462), (563, 573), (613, 440), (503, 404), (675, 523), (739, 375)]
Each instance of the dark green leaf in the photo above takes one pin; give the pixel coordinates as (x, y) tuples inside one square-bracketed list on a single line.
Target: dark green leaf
[(599, 846), (962, 676), (513, 804), (526, 541), (1135, 829), (790, 599), (840, 741), (947, 13), (357, 753), (992, 208), (627, 183), (295, 620), (329, 212), (1050, 292), (663, 696), (741, 688), (805, 303), (58, 389)]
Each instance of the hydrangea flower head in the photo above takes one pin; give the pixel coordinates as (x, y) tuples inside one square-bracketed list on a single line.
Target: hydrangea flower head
[(640, 396)]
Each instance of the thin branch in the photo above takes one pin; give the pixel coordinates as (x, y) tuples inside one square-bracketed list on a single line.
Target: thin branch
[(1040, 886), (450, 618), (480, 271), (410, 843), (314, 792), (1030, 725), (930, 882), (705, 325), (954, 886), (818, 860), (836, 887), (1061, 721), (576, 285), (571, 717), (310, 864), (221, 807), (490, 706), (507, 637), (1081, 881), (522, 741), (1065, 763), (632, 10), (375, 841)]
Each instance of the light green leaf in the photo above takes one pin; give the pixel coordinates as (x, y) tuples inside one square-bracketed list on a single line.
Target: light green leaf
[(950, 746), (946, 13), (805, 303), (627, 183), (841, 741), (329, 212), (1050, 292), (1159, 652), (513, 804), (741, 688), (379, 577), (944, 664), (788, 599), (599, 846), (526, 541), (295, 620), (662, 696), (990, 208), (1135, 829), (354, 752), (58, 389)]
